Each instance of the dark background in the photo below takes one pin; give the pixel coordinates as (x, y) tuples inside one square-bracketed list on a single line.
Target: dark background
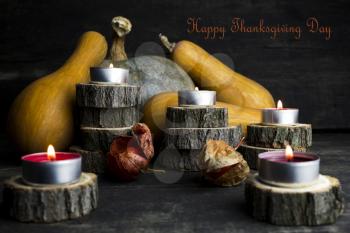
[(36, 37), (311, 73)]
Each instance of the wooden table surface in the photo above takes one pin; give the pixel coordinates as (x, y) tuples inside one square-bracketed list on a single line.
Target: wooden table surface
[(154, 203)]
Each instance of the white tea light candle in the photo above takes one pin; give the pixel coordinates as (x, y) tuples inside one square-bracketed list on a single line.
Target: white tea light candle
[(280, 115), (109, 74), (197, 97)]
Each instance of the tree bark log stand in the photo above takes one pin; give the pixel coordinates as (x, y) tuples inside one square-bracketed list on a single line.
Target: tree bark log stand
[(318, 204), (50, 203)]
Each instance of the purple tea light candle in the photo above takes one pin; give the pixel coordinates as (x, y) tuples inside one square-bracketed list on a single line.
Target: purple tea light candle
[(285, 168)]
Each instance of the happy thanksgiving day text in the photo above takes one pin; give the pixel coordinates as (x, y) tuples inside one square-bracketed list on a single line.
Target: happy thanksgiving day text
[(239, 25)]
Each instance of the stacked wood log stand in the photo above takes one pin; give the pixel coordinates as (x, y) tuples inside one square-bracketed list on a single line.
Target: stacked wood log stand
[(272, 137), (188, 129), (50, 203), (318, 203), (106, 110)]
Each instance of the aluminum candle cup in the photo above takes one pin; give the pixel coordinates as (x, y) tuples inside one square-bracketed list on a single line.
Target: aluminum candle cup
[(109, 75), (280, 115), (286, 116), (301, 171), (38, 169), (197, 97)]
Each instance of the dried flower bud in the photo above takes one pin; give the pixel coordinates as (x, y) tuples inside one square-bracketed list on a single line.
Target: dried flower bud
[(143, 136), (223, 165), (129, 154)]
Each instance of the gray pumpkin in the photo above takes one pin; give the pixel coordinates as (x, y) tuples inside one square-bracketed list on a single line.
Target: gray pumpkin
[(154, 74)]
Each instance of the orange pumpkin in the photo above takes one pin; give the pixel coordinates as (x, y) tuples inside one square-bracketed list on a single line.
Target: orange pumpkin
[(42, 113)]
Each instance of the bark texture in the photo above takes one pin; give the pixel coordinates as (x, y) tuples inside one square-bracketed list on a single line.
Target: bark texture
[(92, 161), (107, 95), (318, 204), (176, 159), (46, 204), (108, 117), (195, 138), (299, 136), (100, 138), (197, 117)]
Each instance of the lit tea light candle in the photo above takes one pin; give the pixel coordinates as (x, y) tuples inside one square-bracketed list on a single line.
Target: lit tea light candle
[(280, 115), (197, 97), (51, 167), (288, 168), (109, 74)]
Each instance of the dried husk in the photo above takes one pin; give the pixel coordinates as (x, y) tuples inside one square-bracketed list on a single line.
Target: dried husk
[(128, 155), (222, 164)]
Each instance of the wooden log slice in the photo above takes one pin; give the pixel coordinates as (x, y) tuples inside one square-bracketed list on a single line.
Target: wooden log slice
[(175, 159), (299, 136), (108, 117), (317, 204), (92, 161), (107, 96), (197, 117), (50, 203), (250, 153), (195, 138), (100, 138)]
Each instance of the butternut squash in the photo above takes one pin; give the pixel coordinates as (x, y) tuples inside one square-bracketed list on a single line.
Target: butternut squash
[(155, 113), (42, 113), (210, 73)]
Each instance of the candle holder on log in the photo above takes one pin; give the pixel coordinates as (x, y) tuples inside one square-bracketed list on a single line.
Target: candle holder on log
[(273, 137), (317, 204), (105, 110), (50, 203), (188, 129)]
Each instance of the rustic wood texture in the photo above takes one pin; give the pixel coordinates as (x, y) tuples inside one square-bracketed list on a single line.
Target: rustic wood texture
[(108, 117), (177, 159), (107, 96), (318, 204), (250, 153), (195, 138), (92, 161), (299, 136), (174, 197), (197, 117), (46, 204), (100, 138)]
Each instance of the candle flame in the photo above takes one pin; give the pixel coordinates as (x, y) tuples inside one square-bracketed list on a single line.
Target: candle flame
[(196, 89), (289, 153), (111, 65), (279, 104), (51, 154)]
